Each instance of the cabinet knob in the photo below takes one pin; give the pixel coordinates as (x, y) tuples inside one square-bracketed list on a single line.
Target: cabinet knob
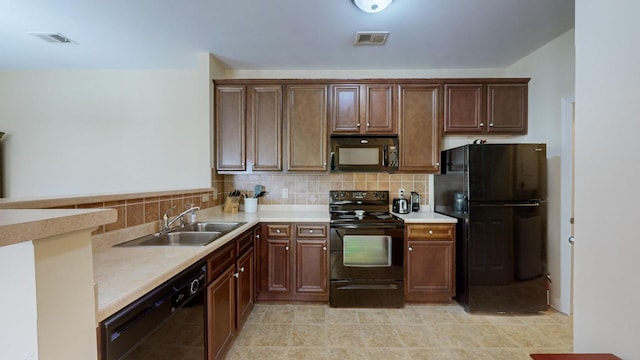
[(431, 232), (368, 124), (410, 249), (236, 275), (242, 269), (257, 236), (253, 164), (310, 231), (490, 124), (358, 125), (324, 248), (481, 124), (286, 248), (277, 231)]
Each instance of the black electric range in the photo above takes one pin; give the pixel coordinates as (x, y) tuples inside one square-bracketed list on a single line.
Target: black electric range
[(367, 251)]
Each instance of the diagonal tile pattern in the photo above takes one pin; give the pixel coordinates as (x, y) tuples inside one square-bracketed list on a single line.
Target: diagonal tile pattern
[(313, 331)]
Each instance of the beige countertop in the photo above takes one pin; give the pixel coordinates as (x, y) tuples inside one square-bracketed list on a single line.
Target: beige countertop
[(426, 217), (123, 274), (19, 225)]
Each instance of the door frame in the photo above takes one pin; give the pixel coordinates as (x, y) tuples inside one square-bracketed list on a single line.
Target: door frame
[(566, 191)]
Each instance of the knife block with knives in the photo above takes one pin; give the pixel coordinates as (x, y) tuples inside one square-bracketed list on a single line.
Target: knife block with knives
[(232, 202)]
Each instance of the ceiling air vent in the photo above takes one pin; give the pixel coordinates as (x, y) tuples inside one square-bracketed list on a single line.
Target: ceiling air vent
[(54, 38), (371, 37)]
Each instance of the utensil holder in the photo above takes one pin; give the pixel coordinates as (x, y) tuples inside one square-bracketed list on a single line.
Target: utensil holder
[(250, 205)]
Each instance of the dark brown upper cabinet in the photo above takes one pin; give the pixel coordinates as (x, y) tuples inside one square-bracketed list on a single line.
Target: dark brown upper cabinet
[(248, 127), (486, 108), (362, 109)]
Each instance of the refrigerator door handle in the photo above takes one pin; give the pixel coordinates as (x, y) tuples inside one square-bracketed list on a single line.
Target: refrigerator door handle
[(523, 204)]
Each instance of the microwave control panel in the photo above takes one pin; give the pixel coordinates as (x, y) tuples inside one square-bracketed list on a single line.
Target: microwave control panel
[(393, 155)]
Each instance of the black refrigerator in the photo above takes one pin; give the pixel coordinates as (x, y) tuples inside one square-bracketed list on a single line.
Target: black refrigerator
[(498, 194)]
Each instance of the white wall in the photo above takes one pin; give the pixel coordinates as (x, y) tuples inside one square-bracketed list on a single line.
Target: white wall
[(104, 131), (18, 313), (552, 72), (606, 287)]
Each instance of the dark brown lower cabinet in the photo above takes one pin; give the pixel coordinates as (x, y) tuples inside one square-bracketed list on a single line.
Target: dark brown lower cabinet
[(429, 263), (294, 267), (230, 292), (221, 310)]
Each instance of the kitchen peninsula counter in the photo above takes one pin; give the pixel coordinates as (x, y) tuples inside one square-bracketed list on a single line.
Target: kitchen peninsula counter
[(123, 274)]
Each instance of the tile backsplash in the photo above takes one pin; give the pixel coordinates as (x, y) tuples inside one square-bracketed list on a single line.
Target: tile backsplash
[(314, 189)]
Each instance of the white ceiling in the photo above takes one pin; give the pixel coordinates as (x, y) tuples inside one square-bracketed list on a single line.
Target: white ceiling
[(277, 34)]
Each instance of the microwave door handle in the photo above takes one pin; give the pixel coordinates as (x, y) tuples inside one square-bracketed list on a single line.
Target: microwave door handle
[(332, 156), (384, 156)]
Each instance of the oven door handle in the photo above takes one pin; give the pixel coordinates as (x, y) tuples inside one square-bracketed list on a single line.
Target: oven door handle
[(368, 226)]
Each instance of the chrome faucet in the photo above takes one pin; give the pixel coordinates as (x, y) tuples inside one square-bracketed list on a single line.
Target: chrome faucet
[(167, 222)]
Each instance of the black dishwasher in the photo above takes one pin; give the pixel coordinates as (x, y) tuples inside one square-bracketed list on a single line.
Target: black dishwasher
[(166, 323)]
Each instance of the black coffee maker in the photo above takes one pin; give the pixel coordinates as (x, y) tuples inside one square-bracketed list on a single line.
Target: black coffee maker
[(415, 201)]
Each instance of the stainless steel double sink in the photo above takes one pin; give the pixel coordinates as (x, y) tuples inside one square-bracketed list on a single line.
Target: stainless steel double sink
[(196, 234)]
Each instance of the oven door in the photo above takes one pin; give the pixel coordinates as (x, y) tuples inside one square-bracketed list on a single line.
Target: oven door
[(367, 266)]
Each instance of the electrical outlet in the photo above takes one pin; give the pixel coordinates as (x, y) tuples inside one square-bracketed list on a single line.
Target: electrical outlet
[(285, 193), (401, 193), (205, 198)]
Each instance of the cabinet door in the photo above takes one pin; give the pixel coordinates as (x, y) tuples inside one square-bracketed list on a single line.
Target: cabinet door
[(507, 108), (277, 271), (429, 270), (264, 131), (306, 114), (345, 109), (311, 270), (246, 284), (419, 135), (221, 314), (379, 116), (463, 109), (230, 128)]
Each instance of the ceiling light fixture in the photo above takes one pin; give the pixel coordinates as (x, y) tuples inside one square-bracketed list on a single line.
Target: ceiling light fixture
[(372, 6)]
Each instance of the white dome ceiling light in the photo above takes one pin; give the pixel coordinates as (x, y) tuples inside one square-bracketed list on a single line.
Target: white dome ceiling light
[(372, 6)]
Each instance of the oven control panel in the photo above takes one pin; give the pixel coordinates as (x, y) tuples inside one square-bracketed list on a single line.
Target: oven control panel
[(359, 196)]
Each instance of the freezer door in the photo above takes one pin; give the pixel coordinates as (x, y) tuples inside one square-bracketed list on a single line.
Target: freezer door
[(506, 172)]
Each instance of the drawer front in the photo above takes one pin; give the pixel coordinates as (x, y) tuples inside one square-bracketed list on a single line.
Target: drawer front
[(430, 232), (314, 231), (244, 242), (278, 230), (220, 260)]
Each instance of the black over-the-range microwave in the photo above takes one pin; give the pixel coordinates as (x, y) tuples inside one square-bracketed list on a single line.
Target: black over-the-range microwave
[(364, 153)]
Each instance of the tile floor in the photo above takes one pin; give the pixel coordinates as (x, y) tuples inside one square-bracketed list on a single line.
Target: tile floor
[(277, 331)]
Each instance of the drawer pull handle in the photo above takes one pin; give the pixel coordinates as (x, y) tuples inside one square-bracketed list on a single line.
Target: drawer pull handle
[(431, 232), (277, 231), (310, 231)]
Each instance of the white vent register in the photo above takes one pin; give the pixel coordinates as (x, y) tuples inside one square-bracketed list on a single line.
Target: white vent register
[(371, 37)]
